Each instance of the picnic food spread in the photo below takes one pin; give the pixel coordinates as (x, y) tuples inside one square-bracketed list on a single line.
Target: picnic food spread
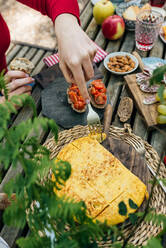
[(100, 180), (97, 92), (121, 63)]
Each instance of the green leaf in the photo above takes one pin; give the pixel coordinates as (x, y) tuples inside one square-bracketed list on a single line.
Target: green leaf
[(132, 204), (153, 243), (122, 208), (34, 241), (133, 218), (158, 75)]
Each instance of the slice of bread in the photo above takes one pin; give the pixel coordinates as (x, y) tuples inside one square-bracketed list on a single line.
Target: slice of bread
[(131, 13), (146, 7), (125, 109), (22, 64)]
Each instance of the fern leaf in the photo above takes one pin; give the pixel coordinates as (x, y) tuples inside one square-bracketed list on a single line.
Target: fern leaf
[(158, 75)]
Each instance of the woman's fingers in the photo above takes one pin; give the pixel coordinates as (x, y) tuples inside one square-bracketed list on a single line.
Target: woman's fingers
[(92, 52), (79, 79), (79, 73), (66, 72), (15, 74), (87, 68), (21, 90), (19, 83)]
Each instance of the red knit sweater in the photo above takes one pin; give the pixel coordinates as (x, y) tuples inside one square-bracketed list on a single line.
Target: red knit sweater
[(51, 8)]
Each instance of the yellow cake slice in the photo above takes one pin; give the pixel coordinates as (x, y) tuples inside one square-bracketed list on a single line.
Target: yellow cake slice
[(100, 180)]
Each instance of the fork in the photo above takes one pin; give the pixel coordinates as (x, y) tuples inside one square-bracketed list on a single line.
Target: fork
[(93, 121), (140, 148)]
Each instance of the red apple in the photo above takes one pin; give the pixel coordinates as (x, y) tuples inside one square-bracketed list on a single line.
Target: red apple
[(113, 27)]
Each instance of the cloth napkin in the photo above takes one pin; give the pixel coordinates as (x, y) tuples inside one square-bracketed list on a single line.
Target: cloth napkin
[(54, 59)]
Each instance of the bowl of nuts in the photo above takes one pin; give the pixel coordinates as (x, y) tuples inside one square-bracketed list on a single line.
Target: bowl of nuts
[(120, 63)]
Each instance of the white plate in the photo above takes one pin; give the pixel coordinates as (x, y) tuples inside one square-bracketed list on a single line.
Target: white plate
[(106, 60), (153, 61), (161, 33)]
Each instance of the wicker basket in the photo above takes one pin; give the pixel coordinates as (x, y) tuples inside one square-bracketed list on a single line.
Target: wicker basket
[(146, 230)]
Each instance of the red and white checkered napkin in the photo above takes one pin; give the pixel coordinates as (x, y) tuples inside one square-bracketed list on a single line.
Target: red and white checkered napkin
[(54, 59)]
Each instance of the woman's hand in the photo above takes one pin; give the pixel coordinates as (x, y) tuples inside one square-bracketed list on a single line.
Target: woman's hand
[(76, 52), (17, 83)]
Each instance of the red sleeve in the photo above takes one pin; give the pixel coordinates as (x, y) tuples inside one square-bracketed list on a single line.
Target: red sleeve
[(53, 8)]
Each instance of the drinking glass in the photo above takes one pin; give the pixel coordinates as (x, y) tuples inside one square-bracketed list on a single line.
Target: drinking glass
[(148, 24)]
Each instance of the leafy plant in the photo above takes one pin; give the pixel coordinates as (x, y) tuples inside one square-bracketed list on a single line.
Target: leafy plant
[(157, 78), (53, 221)]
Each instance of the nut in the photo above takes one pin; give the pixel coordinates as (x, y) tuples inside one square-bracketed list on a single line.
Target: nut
[(121, 63)]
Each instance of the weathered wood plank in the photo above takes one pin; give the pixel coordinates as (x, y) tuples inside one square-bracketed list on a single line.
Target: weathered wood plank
[(128, 44), (40, 65), (140, 128), (100, 40), (114, 88), (158, 49), (12, 45), (29, 55), (38, 57), (22, 52), (13, 53), (92, 29), (86, 15)]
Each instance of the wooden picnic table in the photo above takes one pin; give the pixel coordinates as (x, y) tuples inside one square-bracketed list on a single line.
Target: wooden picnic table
[(116, 88)]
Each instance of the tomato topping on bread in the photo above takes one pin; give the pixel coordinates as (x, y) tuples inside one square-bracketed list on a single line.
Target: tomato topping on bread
[(75, 99), (97, 92)]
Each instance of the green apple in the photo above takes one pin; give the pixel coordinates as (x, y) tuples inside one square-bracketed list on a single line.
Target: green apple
[(102, 10)]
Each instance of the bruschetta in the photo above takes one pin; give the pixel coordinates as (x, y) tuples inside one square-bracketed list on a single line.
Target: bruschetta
[(75, 99), (97, 92)]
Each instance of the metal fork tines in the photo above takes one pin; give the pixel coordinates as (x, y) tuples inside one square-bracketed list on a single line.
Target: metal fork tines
[(93, 121)]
